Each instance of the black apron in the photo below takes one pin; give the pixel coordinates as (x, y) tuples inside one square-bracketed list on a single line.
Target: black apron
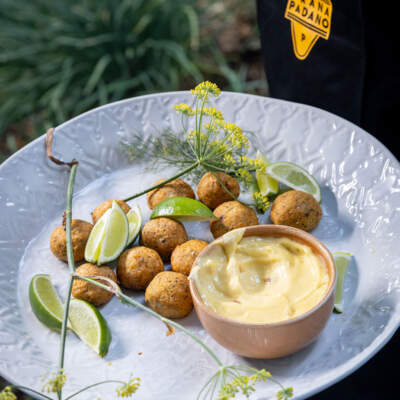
[(339, 55)]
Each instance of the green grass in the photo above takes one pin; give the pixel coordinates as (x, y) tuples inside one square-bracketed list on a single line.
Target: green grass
[(61, 58)]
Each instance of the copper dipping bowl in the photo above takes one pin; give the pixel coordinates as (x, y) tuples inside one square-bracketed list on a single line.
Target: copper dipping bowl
[(277, 339)]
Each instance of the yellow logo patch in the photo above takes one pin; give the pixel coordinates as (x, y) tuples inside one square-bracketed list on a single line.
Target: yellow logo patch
[(309, 20)]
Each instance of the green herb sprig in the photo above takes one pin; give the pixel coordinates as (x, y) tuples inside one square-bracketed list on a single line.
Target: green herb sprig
[(214, 145)]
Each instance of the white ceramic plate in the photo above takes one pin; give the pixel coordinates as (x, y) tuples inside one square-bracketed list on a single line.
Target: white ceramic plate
[(360, 183)]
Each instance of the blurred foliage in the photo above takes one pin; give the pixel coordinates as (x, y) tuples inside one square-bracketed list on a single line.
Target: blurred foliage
[(61, 58)]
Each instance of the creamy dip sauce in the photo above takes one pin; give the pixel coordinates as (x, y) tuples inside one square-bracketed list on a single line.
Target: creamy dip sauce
[(260, 279)]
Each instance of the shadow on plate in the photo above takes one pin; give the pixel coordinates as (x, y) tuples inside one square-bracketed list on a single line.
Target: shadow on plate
[(333, 226), (117, 349)]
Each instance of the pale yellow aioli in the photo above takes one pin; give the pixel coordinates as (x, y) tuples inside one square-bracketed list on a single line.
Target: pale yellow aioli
[(260, 279)]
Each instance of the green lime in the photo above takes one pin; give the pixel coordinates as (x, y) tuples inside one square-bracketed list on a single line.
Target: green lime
[(116, 233), (342, 261), (135, 222), (295, 177), (184, 209), (90, 326), (45, 303), (96, 237), (109, 236), (267, 185)]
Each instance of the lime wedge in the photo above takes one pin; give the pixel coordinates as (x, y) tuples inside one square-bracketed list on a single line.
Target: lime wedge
[(109, 236), (135, 222), (342, 261), (266, 184), (115, 235), (90, 326), (96, 238), (295, 177), (184, 209), (45, 303)]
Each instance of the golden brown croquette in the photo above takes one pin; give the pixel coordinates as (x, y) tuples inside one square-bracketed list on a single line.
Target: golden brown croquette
[(175, 188), (210, 191), (169, 295), (183, 256), (138, 266), (103, 207), (232, 215), (86, 291), (296, 208), (80, 231), (163, 235)]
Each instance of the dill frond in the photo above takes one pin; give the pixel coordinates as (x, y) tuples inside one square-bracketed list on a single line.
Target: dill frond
[(214, 145), (166, 149), (230, 381)]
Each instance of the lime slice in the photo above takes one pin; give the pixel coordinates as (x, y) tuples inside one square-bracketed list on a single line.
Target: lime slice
[(90, 326), (295, 177), (184, 209), (96, 238), (109, 236), (342, 261), (267, 185), (45, 303), (135, 222), (116, 233)]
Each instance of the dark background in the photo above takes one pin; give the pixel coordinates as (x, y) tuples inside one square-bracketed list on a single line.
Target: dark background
[(375, 380), (354, 74)]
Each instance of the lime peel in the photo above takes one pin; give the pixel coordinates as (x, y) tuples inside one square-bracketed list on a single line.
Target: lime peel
[(342, 261), (184, 209), (45, 303), (266, 185), (295, 176), (135, 222), (109, 236), (96, 237), (90, 326)]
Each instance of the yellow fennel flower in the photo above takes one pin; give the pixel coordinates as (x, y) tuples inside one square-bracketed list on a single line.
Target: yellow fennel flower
[(7, 394), (56, 383), (213, 112), (184, 109), (203, 90), (261, 202), (128, 388)]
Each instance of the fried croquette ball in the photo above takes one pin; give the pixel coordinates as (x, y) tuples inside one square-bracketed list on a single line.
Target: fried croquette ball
[(183, 256), (175, 188), (296, 208), (103, 207), (163, 235), (232, 215), (212, 194), (138, 266), (86, 291), (80, 231), (169, 295)]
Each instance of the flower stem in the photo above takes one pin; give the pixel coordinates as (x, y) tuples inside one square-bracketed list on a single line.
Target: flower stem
[(19, 387), (68, 217), (185, 171), (71, 265), (91, 386), (64, 327), (223, 186), (199, 152), (125, 299)]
